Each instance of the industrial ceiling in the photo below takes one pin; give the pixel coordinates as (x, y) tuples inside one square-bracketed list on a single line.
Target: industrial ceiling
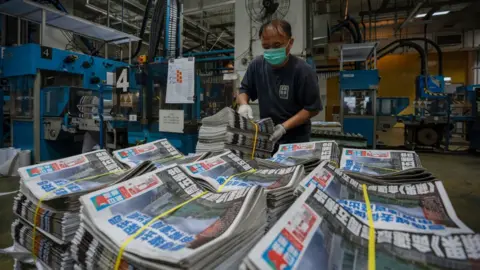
[(210, 24)]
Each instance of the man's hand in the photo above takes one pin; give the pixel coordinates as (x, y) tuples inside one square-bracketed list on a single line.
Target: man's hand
[(246, 111), (278, 133)]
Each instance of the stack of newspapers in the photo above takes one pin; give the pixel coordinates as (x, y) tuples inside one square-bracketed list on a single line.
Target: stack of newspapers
[(228, 130), (47, 204), (309, 154), (163, 220), (414, 226), (161, 153), (227, 172)]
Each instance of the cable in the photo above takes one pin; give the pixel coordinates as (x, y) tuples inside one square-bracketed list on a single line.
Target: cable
[(142, 31)]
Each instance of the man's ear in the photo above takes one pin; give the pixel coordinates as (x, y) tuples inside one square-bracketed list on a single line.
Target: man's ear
[(290, 45)]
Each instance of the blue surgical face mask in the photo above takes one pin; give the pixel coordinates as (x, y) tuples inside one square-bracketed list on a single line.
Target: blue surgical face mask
[(276, 56)]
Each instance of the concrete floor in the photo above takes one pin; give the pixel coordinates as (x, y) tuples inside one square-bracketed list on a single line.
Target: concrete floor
[(462, 185)]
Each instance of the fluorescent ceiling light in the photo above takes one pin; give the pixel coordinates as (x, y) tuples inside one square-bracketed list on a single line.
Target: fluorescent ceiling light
[(447, 79), (317, 38), (438, 13)]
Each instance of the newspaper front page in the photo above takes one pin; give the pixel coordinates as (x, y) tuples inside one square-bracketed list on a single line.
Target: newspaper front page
[(321, 232), (120, 210), (161, 153), (77, 174), (378, 162), (422, 207)]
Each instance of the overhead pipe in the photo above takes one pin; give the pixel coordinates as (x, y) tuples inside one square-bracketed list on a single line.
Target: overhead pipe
[(429, 41), (204, 29), (209, 7), (209, 53)]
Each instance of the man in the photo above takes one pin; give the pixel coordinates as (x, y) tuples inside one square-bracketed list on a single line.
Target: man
[(286, 86)]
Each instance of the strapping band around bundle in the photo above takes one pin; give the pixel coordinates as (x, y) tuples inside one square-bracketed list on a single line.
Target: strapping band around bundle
[(334, 163), (139, 231), (371, 231), (254, 139), (40, 201), (168, 158), (232, 176)]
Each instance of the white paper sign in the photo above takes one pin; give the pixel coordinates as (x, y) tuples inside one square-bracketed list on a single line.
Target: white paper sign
[(181, 80), (132, 117), (171, 120)]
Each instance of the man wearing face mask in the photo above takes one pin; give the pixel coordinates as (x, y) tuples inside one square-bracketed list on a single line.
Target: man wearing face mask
[(286, 86)]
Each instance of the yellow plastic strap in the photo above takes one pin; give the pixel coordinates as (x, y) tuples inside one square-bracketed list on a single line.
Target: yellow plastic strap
[(334, 163), (168, 158), (254, 139), (166, 213), (371, 232), (37, 209), (232, 176)]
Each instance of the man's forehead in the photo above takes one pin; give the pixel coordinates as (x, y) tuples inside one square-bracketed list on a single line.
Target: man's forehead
[(274, 31)]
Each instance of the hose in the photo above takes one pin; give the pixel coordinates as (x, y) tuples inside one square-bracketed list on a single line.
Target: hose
[(344, 24), (142, 31), (357, 29), (158, 21), (431, 42)]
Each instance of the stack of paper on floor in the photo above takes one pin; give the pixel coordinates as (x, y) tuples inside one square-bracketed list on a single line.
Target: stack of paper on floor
[(161, 153), (49, 193), (414, 227), (228, 130), (163, 220), (227, 172), (309, 154)]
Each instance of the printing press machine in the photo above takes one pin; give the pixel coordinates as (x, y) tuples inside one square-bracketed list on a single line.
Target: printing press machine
[(45, 85)]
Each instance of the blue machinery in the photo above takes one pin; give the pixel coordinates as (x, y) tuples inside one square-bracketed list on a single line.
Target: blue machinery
[(57, 96), (358, 91), (45, 92), (139, 121)]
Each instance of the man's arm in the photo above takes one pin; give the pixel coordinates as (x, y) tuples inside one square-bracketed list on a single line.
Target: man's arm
[(242, 99), (310, 97), (247, 91), (300, 118)]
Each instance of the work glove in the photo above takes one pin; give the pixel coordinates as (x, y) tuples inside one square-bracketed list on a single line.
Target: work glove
[(246, 111), (278, 133)]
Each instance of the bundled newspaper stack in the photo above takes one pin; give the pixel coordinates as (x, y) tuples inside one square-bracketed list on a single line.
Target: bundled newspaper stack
[(49, 253), (414, 227), (227, 172), (161, 153), (49, 192), (163, 220), (228, 130), (309, 154)]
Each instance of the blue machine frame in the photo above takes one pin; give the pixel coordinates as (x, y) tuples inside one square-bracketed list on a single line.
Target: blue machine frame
[(22, 66), (360, 81)]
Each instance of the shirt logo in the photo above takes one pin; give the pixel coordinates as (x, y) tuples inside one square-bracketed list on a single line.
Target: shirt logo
[(283, 91)]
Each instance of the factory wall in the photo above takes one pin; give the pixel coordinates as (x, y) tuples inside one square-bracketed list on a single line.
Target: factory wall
[(398, 73)]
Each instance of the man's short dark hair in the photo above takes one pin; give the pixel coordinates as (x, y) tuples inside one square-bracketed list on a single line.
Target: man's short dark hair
[(282, 25)]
